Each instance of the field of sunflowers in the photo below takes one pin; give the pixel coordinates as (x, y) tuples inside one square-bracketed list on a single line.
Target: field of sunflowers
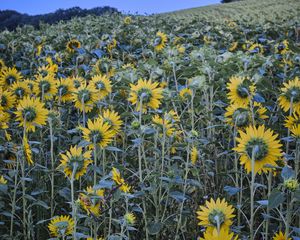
[(173, 126)]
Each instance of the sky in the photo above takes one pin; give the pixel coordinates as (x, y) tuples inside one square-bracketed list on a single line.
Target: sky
[(33, 7)]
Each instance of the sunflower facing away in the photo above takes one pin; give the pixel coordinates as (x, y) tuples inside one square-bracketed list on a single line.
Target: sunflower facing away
[(292, 120), (20, 89), (91, 200), (185, 94), (223, 234), (78, 81), (3, 181), (282, 47), (65, 88), (27, 151), (164, 125), (147, 93), (85, 98), (72, 45), (160, 41), (104, 66), (32, 112), (290, 96), (295, 130), (116, 177), (4, 119), (264, 145), (112, 118), (240, 90), (75, 160), (102, 86), (215, 214), (280, 236), (61, 226), (9, 76), (45, 87), (97, 132), (7, 99)]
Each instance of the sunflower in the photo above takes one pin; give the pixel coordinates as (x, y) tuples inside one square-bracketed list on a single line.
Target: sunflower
[(207, 39), (263, 143), (61, 226), (4, 119), (97, 132), (165, 125), (78, 81), (72, 45), (282, 47), (91, 200), (3, 181), (65, 88), (185, 94), (112, 118), (102, 85), (85, 98), (27, 151), (75, 160), (116, 177), (147, 93), (45, 87), (30, 84), (295, 130), (256, 48), (194, 155), (127, 20), (215, 214), (20, 89), (7, 99), (46, 71), (104, 66), (290, 96), (9, 76), (240, 90), (160, 41), (172, 116), (233, 46), (280, 236), (223, 234), (2, 65), (292, 120), (238, 115), (130, 218), (32, 112)]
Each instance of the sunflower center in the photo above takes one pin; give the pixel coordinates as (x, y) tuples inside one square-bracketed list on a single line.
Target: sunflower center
[(85, 95), (103, 67), (20, 92), (216, 217), (258, 147), (243, 90), (157, 41), (78, 161), (77, 83), (145, 94), (293, 92), (73, 45), (44, 73), (100, 85), (62, 226), (44, 86), (29, 114), (108, 121), (10, 79), (241, 117), (96, 136), (62, 90), (3, 101)]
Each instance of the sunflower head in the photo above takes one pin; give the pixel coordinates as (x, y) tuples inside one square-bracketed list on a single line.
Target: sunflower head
[(102, 85), (238, 115), (186, 94), (282, 47), (91, 200), (84, 98), (119, 181), (112, 118), (281, 236), (72, 45), (61, 226), (160, 41), (290, 96), (194, 155), (256, 48), (7, 99), (65, 88), (127, 20), (9, 76), (222, 234), (130, 218), (3, 181), (20, 89), (45, 87)]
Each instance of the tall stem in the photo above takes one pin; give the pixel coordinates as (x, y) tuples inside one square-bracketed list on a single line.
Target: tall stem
[(52, 167), (72, 199), (252, 195), (268, 208)]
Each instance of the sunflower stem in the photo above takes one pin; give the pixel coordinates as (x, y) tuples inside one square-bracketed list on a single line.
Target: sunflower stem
[(72, 198), (268, 208), (13, 204), (52, 166), (252, 194), (95, 162), (289, 208), (289, 131)]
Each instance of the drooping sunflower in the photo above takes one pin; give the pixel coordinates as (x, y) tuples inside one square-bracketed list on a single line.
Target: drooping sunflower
[(240, 90), (160, 41), (186, 94), (27, 151), (9, 76), (91, 200), (280, 236), (164, 125), (215, 214), (97, 132), (194, 155), (3, 181), (4, 119), (263, 144), (75, 160), (32, 112), (72, 45), (102, 85), (290, 96), (7, 99), (116, 177), (256, 48), (20, 89), (61, 226), (45, 87), (147, 93), (85, 98), (65, 88), (282, 47), (223, 234), (112, 118)]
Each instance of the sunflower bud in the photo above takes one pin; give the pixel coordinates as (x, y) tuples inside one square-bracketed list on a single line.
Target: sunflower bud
[(135, 124), (291, 184)]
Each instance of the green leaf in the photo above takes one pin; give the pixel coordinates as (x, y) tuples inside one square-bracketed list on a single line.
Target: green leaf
[(276, 198), (154, 228)]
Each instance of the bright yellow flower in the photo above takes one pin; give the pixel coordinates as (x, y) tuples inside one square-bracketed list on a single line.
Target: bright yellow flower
[(116, 177), (263, 142), (160, 41), (4, 119), (20, 89), (224, 234), (185, 94), (75, 159), (78, 81), (282, 47), (256, 48), (3, 181), (31, 111), (165, 125), (215, 214), (290, 96), (295, 130), (127, 20), (7, 99), (147, 93), (61, 226), (72, 45), (45, 87), (65, 88), (194, 155), (85, 97), (280, 236), (27, 151), (102, 86), (91, 200), (112, 118), (130, 218), (9, 76)]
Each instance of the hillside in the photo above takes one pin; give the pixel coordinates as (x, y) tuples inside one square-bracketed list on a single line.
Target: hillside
[(183, 125)]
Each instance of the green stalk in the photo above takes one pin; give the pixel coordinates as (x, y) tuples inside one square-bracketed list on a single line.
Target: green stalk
[(52, 167), (252, 195), (268, 208), (72, 199), (13, 204)]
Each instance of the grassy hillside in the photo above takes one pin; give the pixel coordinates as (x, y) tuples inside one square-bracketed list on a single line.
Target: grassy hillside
[(181, 125)]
